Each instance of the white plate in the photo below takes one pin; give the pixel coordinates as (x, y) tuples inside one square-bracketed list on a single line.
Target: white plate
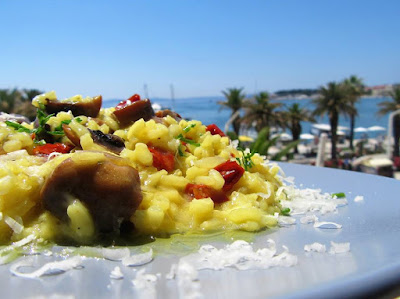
[(371, 226)]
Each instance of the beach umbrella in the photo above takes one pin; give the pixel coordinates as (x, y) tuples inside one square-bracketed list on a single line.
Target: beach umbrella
[(282, 136), (340, 133), (360, 130), (307, 136), (285, 136), (376, 128), (322, 127)]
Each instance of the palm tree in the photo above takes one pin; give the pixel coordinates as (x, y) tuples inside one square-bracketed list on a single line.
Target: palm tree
[(29, 94), (294, 116), (354, 90), (262, 112), (388, 107), (332, 101), (234, 101), (26, 108), (8, 98)]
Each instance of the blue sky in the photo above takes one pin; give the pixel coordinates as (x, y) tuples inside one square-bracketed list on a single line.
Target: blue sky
[(113, 48)]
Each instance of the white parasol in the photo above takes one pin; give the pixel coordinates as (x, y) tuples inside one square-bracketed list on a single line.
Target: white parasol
[(360, 130), (376, 128), (307, 136), (285, 136)]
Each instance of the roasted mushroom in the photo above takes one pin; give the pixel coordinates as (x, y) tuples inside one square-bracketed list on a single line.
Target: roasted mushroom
[(105, 185), (130, 112), (71, 135), (163, 113), (111, 142), (88, 108)]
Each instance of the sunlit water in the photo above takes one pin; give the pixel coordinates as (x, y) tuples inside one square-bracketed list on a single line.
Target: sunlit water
[(210, 112)]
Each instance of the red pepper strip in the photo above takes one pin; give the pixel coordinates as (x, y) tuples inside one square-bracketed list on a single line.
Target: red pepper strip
[(203, 191), (214, 130), (127, 102), (49, 148), (162, 159), (231, 172)]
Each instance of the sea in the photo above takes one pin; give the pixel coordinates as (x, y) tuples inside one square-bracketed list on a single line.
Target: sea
[(208, 111)]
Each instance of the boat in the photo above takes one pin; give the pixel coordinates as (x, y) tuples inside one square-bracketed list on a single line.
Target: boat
[(156, 107)]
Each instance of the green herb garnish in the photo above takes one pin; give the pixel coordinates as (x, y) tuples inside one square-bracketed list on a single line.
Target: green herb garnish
[(245, 161), (188, 128), (43, 118), (339, 195), (39, 142), (42, 129), (285, 212), (180, 152), (186, 140), (18, 127), (59, 131)]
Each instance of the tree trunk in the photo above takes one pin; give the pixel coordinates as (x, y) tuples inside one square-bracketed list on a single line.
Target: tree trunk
[(334, 119), (296, 131), (236, 125), (352, 123), (396, 130)]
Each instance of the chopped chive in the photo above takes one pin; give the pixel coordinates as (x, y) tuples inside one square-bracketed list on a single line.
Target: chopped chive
[(56, 133), (188, 128), (245, 161), (180, 152), (339, 195), (285, 211), (189, 141), (39, 142), (17, 126), (59, 127), (43, 118)]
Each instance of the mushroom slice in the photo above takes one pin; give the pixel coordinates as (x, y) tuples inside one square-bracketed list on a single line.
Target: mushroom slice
[(89, 108), (166, 112), (103, 183), (71, 135), (134, 111), (111, 142)]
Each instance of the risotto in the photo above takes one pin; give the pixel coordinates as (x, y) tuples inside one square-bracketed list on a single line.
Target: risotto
[(81, 173)]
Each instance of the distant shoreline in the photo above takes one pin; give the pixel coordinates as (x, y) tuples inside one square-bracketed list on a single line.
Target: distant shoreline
[(215, 98)]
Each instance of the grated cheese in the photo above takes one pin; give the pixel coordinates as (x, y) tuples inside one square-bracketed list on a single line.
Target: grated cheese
[(188, 281), (116, 273), (112, 254), (339, 247), (242, 256), (327, 225), (285, 220), (316, 247), (138, 259), (14, 225), (308, 219), (358, 198), (301, 201), (51, 268), (146, 284), (172, 272), (115, 254)]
